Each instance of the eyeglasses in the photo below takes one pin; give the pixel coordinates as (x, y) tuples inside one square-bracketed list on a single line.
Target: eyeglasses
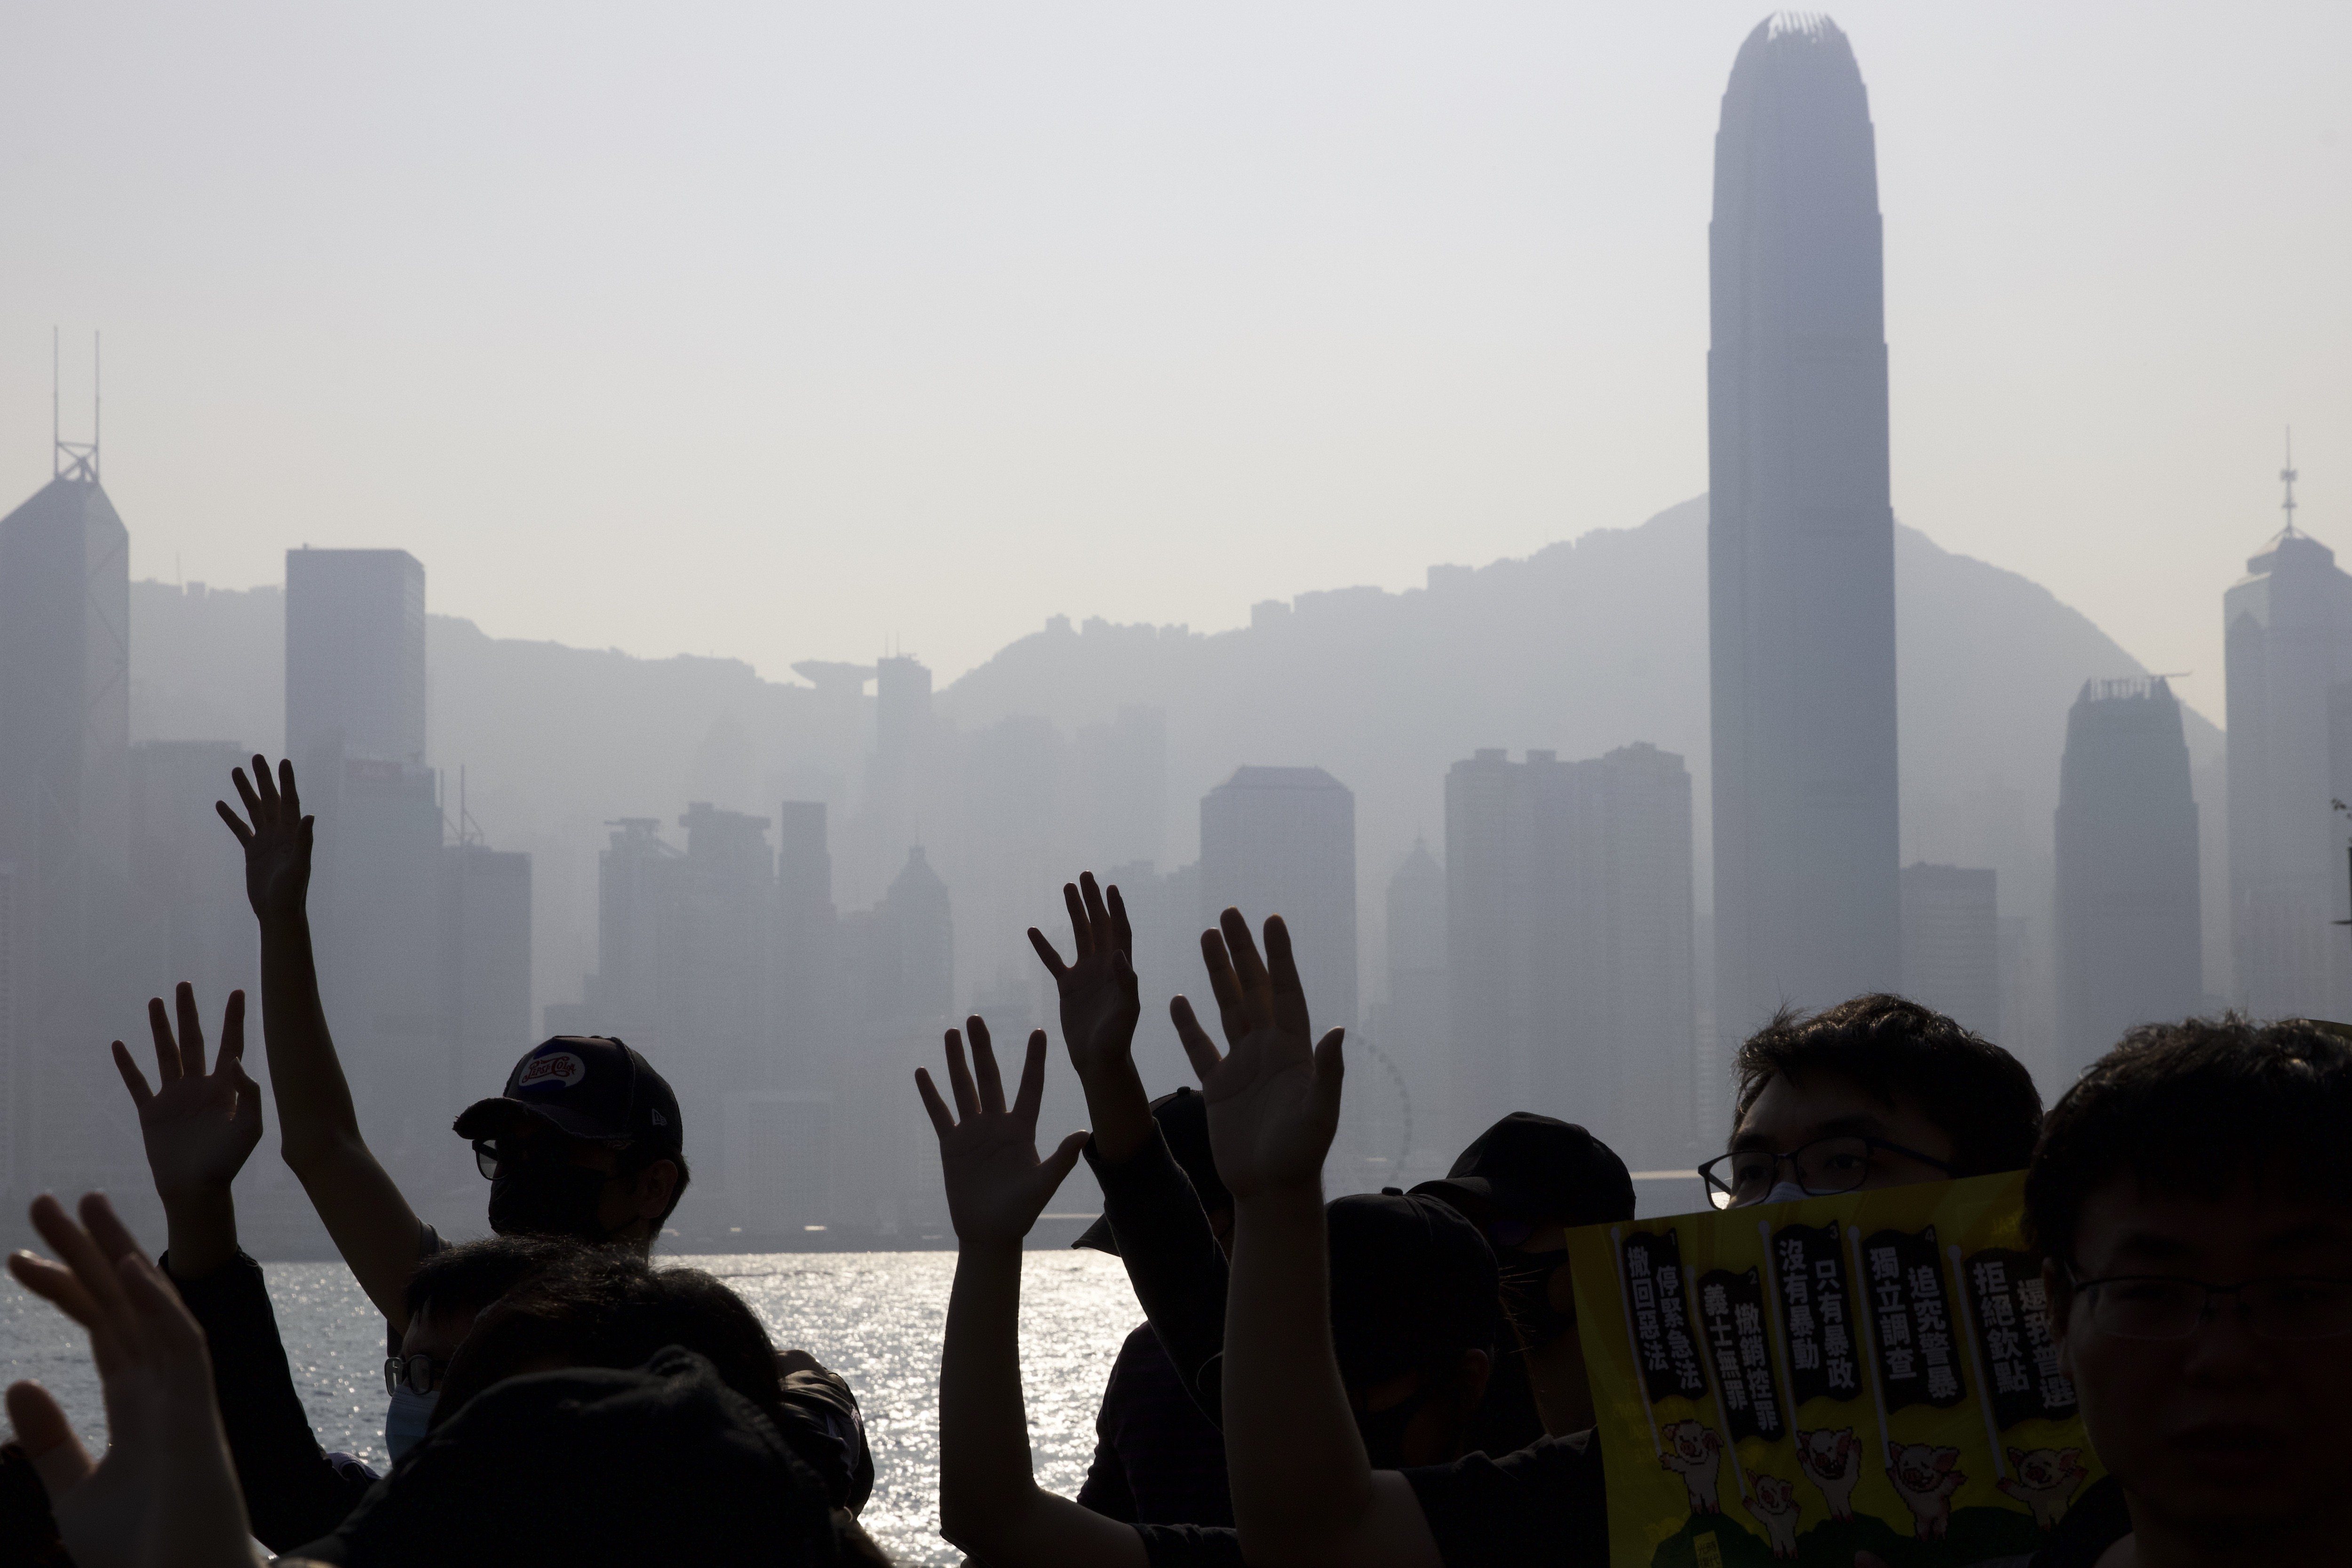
[(1823, 1168), (2161, 1307), (417, 1373)]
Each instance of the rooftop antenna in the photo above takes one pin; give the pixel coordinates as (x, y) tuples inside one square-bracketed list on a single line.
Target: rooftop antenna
[(72, 459), (2287, 477)]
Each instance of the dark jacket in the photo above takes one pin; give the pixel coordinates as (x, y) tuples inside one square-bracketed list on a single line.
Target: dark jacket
[(1158, 1460), (294, 1490), (1172, 1260)]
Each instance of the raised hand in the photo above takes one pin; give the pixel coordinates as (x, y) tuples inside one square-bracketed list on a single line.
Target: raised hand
[(1273, 1098), (164, 1495), (277, 842), (1099, 1004), (199, 1127), (997, 1187)]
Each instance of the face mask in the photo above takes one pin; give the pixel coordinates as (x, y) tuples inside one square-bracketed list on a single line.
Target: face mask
[(405, 1423), (548, 1197), (1527, 1299), (1786, 1192)]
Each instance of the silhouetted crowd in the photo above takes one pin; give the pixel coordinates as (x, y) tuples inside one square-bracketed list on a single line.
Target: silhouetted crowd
[(1391, 1378)]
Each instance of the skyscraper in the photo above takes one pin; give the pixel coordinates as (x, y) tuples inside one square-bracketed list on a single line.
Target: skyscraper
[(1282, 841), (1568, 945), (1800, 543), (1951, 943), (2130, 944), (65, 789), (2287, 631), (355, 654)]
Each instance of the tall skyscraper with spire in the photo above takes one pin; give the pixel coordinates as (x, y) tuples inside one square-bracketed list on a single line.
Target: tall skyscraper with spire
[(65, 832), (2287, 641), (1801, 537)]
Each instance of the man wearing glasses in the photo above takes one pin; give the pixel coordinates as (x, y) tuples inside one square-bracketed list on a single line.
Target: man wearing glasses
[(2198, 1264), (1874, 1092)]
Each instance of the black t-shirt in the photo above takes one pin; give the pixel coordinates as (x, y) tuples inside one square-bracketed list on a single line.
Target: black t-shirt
[(1546, 1504)]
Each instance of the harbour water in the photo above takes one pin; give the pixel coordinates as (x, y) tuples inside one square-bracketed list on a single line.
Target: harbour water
[(875, 1317)]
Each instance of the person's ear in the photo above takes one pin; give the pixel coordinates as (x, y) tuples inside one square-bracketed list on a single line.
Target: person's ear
[(654, 1186)]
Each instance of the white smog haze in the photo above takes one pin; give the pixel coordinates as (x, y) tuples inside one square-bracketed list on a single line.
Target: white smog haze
[(790, 332)]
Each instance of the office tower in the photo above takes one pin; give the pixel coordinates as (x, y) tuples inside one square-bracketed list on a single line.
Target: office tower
[(806, 1007), (189, 918), (1283, 841), (2287, 627), (64, 742), (901, 789), (1123, 788), (900, 957), (2129, 941), (1568, 944), (1801, 545), (716, 999), (1951, 943), (1011, 849), (485, 983), (1413, 1029), (355, 654)]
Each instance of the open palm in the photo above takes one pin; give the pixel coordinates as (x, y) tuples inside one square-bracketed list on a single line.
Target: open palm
[(1098, 987), (1273, 1096), (277, 842), (199, 1127), (997, 1187)]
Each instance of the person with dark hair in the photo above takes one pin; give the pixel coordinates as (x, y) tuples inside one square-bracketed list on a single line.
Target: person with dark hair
[(583, 1142), (1525, 1183), (1412, 1317), (662, 1461), (1305, 1489), (2198, 1265), (1877, 1091), (198, 1128)]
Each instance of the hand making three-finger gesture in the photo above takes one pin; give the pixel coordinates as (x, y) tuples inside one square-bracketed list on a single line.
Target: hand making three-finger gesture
[(1273, 1096)]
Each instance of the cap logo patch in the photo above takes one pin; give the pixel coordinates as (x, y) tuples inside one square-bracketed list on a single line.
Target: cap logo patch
[(659, 1119), (556, 1070)]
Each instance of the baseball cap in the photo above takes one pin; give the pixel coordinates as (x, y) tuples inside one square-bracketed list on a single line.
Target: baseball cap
[(1538, 1168), (585, 1086), (1411, 1278), (1183, 1119)]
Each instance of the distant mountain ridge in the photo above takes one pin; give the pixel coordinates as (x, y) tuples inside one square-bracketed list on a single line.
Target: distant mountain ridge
[(1582, 647)]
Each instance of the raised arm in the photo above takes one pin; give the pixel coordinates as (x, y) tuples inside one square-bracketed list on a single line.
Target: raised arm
[(318, 1131), (1305, 1495), (163, 1495), (1099, 1005), (990, 1503), (199, 1128)]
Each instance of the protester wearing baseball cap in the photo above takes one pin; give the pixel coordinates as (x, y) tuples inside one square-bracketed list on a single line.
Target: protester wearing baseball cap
[(1524, 1183), (585, 1141)]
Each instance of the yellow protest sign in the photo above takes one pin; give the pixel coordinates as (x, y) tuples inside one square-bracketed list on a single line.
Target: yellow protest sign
[(1798, 1382)]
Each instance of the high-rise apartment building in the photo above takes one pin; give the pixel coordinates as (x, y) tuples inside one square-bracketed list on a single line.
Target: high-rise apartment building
[(2130, 948), (1283, 841), (1801, 541), (1951, 943), (65, 778), (355, 655), (1570, 964), (2287, 627), (1414, 1031)]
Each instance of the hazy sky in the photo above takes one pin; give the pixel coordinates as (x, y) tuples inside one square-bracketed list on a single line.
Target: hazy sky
[(782, 331)]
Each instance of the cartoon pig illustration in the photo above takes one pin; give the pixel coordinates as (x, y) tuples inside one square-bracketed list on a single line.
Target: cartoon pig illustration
[(1832, 1461), (2045, 1481), (1697, 1452), (1926, 1478), (1775, 1503)]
